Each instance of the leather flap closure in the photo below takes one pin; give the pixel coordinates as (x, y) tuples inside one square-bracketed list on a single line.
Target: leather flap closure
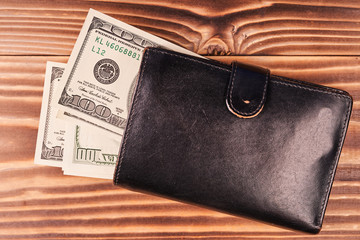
[(247, 90)]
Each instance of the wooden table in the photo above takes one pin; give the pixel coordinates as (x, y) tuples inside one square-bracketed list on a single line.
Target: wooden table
[(316, 41)]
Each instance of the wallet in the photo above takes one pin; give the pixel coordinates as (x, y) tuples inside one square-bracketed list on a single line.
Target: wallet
[(235, 139)]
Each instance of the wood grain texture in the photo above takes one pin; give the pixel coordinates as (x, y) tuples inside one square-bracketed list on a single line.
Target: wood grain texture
[(315, 41), (38, 202), (273, 27)]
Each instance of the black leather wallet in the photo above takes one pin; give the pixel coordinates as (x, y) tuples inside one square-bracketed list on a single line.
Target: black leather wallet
[(233, 138)]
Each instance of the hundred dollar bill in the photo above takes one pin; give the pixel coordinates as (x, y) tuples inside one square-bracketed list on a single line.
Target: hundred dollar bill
[(90, 152), (81, 151), (102, 70), (51, 134)]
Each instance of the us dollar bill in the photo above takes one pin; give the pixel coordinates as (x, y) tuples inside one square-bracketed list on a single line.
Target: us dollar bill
[(81, 151), (90, 152), (51, 134), (102, 70)]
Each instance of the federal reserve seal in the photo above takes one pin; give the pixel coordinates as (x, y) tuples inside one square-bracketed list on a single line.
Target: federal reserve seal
[(106, 71)]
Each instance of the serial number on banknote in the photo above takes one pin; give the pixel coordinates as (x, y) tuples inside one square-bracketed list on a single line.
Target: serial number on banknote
[(114, 46)]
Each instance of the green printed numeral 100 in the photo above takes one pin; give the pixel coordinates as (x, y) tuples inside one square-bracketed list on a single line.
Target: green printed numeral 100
[(125, 51)]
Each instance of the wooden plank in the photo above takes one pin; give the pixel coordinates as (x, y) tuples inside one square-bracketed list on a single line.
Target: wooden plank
[(38, 202), (273, 27)]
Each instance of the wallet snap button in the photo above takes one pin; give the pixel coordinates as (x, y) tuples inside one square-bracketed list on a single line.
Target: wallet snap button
[(247, 90)]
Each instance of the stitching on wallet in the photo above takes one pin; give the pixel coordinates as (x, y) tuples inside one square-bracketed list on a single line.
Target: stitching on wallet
[(130, 118), (261, 102), (191, 59), (290, 80), (332, 168), (282, 80), (337, 156), (307, 87)]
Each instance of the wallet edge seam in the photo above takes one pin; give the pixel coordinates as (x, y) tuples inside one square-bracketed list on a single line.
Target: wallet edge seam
[(345, 120)]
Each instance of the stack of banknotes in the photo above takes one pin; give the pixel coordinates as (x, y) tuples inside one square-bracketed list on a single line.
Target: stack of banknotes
[(86, 101)]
